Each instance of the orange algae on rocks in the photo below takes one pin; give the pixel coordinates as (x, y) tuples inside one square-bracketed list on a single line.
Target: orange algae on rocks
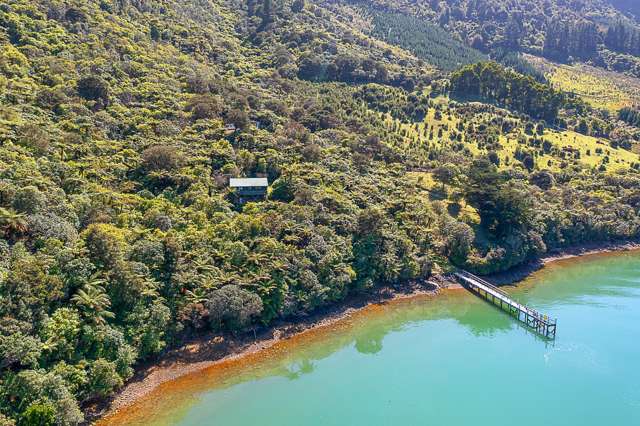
[(177, 395)]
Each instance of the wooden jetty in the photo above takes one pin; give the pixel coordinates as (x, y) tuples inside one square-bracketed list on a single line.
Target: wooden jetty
[(542, 324)]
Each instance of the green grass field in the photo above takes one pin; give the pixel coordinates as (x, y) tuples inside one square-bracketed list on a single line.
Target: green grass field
[(601, 89)]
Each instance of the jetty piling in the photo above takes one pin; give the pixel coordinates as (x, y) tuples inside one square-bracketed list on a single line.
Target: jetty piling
[(538, 322)]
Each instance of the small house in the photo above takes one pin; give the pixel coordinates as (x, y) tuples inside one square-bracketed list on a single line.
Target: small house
[(249, 189)]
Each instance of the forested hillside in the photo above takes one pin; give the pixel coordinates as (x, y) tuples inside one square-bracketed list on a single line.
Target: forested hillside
[(587, 30), (389, 159), (425, 40)]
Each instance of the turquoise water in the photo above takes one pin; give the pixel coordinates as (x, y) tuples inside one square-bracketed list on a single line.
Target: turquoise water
[(451, 360)]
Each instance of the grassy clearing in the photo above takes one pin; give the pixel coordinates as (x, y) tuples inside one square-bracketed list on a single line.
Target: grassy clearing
[(568, 146), (602, 89), (429, 187), (424, 181), (592, 152)]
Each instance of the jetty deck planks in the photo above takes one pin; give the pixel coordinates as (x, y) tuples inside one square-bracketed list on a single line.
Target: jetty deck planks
[(542, 324)]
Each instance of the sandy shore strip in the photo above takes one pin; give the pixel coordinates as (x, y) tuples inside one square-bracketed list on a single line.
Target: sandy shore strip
[(205, 351)]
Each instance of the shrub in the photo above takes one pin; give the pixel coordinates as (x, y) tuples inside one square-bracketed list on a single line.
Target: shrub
[(103, 378), (205, 107), (35, 138), (298, 6), (542, 179), (311, 153), (29, 200), (19, 349), (93, 88), (48, 225), (40, 414), (529, 162), (233, 308), (75, 15), (105, 243), (237, 117), (161, 158), (283, 189)]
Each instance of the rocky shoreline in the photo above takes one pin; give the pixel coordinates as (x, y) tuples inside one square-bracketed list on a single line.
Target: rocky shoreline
[(206, 351), (519, 273)]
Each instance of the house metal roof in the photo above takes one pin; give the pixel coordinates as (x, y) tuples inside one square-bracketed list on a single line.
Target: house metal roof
[(244, 182)]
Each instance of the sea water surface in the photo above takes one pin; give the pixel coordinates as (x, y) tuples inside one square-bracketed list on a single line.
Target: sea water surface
[(446, 360)]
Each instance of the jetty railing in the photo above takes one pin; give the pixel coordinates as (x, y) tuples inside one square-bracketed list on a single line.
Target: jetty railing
[(533, 319)]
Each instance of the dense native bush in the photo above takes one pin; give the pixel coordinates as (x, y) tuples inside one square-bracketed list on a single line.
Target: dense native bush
[(119, 236)]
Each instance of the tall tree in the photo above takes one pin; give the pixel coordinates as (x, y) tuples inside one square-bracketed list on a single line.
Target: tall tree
[(13, 225), (93, 302)]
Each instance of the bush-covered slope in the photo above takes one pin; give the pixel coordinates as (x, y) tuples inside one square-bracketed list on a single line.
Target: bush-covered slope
[(119, 236)]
